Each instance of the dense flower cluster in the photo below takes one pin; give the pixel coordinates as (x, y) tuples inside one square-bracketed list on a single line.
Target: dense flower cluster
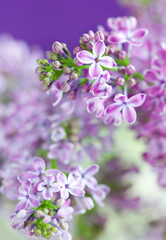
[(51, 147)]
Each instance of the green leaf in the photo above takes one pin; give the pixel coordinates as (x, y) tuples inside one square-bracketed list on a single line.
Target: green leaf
[(123, 62), (83, 81), (138, 75)]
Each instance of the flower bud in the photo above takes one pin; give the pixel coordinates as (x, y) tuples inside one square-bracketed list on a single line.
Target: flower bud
[(60, 202), (72, 95), (89, 45), (88, 203), (57, 47), (39, 214), (51, 213), (112, 49), (56, 64), (37, 232), (91, 34), (42, 61), (54, 229), (21, 213), (121, 70), (131, 82), (50, 73), (130, 69), (46, 81), (66, 70), (85, 88), (120, 81), (99, 35), (41, 77), (77, 50), (106, 50), (44, 88), (121, 54), (64, 226), (77, 62), (65, 87), (85, 38), (73, 76), (45, 210), (47, 219)]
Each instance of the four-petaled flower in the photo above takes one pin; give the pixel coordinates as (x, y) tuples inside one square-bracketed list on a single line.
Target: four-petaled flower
[(69, 185), (48, 187), (126, 105), (96, 59), (85, 178), (26, 198)]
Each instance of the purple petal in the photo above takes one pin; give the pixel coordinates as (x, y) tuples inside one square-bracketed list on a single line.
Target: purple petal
[(72, 179), (26, 185), (99, 49), (137, 100), (120, 98), (116, 38), (92, 170), (25, 175), (99, 108), (139, 34), (151, 75), (65, 235), (95, 70), (40, 187), (129, 114), (55, 187), (39, 164), (85, 57), (21, 205), (107, 62), (62, 179), (65, 212), (49, 179), (113, 108), (54, 172), (34, 202), (91, 182), (76, 191), (91, 104), (64, 193), (47, 194)]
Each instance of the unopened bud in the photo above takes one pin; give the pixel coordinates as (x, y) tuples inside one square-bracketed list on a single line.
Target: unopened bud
[(50, 73), (64, 226), (60, 202), (112, 49), (56, 64), (65, 87), (39, 214), (44, 88), (73, 76), (121, 54), (85, 88), (121, 70), (106, 50), (77, 62), (130, 69), (57, 47), (54, 229), (89, 45), (51, 213), (72, 95), (120, 81), (131, 82), (66, 70), (46, 81), (37, 232), (21, 213), (99, 35), (77, 50), (42, 61), (47, 219), (85, 38), (91, 34)]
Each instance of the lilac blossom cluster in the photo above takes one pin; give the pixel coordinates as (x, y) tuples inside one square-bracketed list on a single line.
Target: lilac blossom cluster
[(100, 73)]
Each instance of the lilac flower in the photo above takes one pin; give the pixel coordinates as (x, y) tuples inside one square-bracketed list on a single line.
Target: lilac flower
[(124, 31), (69, 185), (26, 199), (99, 193), (48, 187), (95, 104), (39, 172), (65, 211), (85, 178), (126, 106), (96, 59)]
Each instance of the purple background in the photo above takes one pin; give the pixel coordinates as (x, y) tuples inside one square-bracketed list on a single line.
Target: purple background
[(42, 22)]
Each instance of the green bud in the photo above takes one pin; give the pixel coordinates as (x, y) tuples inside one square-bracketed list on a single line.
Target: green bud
[(37, 232), (48, 236), (45, 210), (50, 73), (47, 82), (41, 77), (44, 233), (54, 229), (48, 226), (51, 213)]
